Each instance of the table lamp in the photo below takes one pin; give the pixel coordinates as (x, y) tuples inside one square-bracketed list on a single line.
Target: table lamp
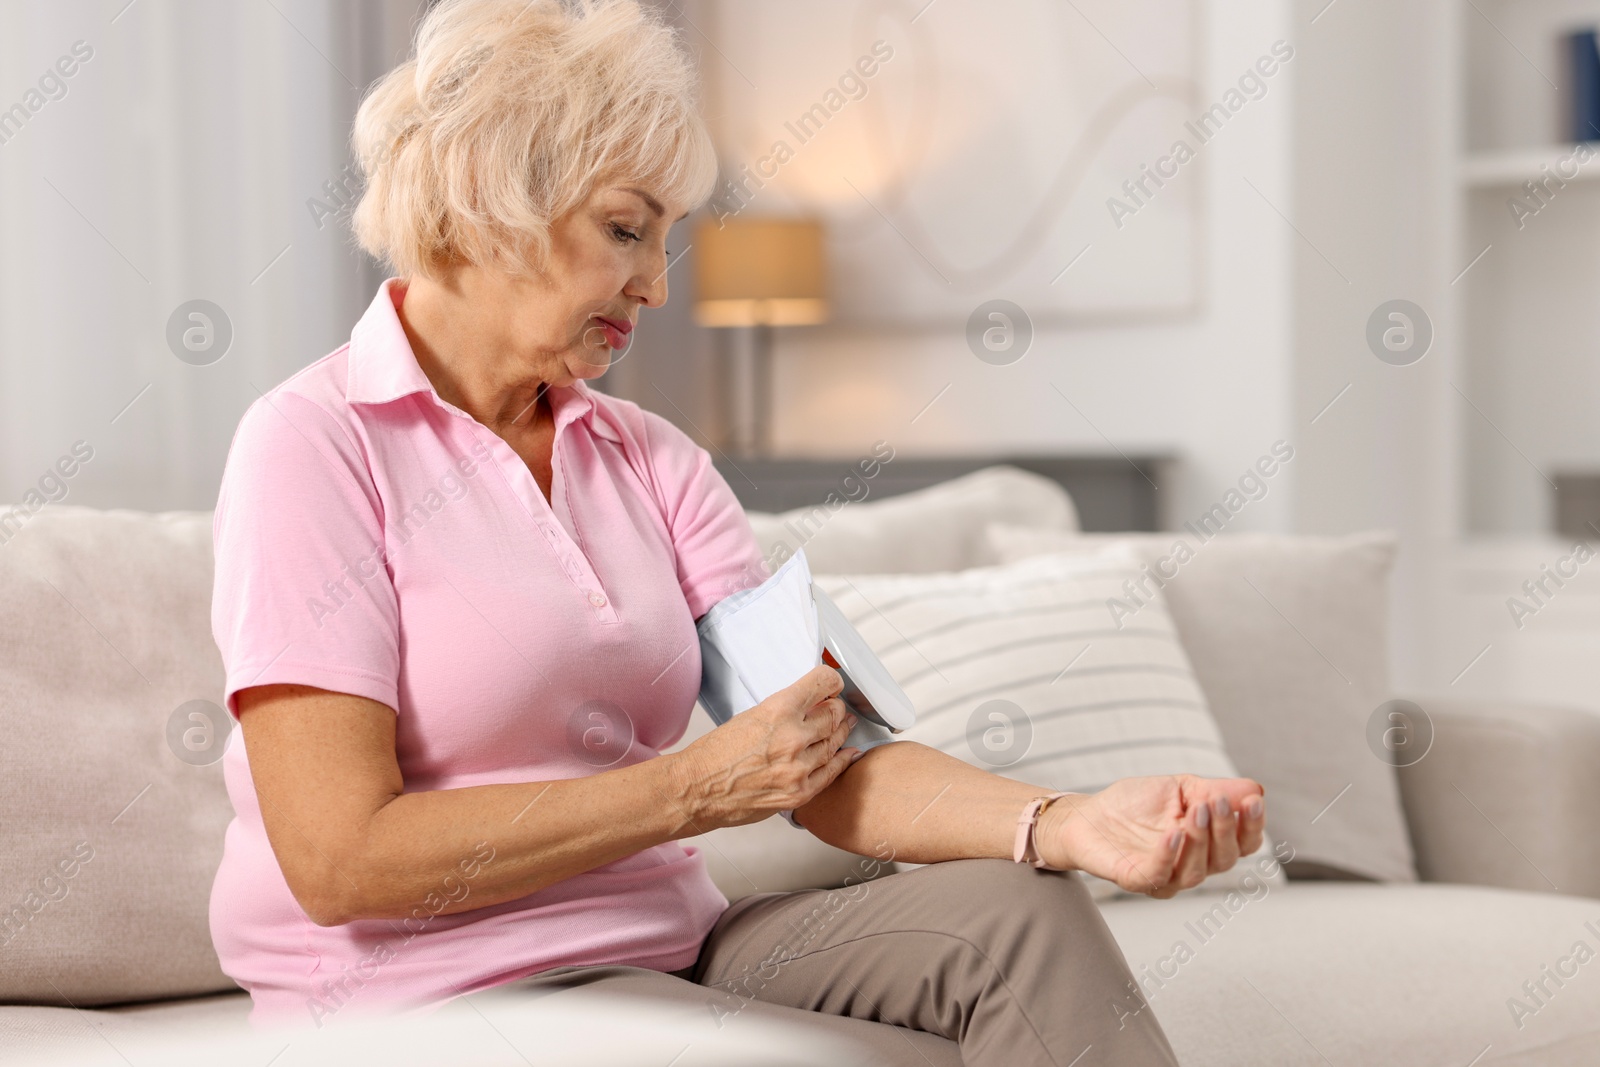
[(759, 273)]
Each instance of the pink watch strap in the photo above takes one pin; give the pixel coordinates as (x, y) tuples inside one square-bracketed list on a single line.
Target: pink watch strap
[(1025, 824)]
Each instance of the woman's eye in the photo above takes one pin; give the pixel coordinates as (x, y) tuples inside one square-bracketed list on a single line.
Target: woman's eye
[(622, 233)]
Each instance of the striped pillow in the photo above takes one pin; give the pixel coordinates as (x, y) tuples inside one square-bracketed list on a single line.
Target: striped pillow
[(1023, 670)]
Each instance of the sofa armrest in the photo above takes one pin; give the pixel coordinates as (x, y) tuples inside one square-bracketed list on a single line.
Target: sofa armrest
[(1508, 796)]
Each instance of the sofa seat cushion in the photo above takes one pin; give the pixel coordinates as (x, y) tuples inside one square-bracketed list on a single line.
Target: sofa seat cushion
[(29, 1032), (507, 1028), (1337, 972)]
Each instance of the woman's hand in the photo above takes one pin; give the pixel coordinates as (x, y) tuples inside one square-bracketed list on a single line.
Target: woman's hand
[(1156, 835), (773, 757)]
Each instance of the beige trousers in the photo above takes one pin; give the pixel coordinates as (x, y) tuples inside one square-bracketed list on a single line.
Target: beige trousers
[(1014, 965)]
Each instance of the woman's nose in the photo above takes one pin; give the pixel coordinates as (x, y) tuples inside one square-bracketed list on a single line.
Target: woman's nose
[(651, 289)]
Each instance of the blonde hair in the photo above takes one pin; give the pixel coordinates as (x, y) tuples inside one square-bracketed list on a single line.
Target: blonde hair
[(508, 115)]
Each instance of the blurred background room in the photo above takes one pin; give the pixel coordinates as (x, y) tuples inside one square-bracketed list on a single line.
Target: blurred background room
[(1171, 329), (1303, 268)]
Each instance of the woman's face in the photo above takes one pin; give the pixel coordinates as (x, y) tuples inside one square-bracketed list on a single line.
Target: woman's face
[(608, 258)]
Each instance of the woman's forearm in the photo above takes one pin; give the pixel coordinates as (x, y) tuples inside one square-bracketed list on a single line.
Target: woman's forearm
[(445, 851), (925, 805), (353, 844), (451, 850)]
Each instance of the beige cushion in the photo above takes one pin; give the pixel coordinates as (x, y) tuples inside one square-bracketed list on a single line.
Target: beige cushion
[(1288, 637), (1018, 670), (1312, 974), (105, 617), (935, 529)]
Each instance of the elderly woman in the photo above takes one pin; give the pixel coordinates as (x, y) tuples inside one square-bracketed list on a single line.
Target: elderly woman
[(443, 562)]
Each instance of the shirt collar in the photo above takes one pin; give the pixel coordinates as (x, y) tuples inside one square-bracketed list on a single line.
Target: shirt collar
[(382, 368)]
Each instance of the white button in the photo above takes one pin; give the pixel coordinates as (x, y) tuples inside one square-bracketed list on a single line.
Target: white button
[(597, 599)]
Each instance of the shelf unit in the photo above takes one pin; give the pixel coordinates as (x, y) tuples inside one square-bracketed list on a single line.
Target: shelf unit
[(1526, 313), (1528, 306), (1512, 167)]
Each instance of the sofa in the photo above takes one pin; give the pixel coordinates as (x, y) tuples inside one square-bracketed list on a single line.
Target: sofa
[(1438, 910)]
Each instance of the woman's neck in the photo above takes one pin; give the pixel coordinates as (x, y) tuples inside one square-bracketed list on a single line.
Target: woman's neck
[(464, 333)]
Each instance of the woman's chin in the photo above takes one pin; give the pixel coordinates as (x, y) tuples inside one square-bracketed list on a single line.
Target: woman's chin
[(591, 363)]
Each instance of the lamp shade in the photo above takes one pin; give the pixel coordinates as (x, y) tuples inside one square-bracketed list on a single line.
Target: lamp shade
[(760, 272)]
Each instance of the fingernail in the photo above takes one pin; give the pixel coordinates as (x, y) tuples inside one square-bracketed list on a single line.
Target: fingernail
[(1223, 807), (853, 721), (1253, 807), (1202, 818), (1176, 839)]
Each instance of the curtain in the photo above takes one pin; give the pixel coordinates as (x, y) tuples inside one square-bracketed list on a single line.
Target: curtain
[(154, 154)]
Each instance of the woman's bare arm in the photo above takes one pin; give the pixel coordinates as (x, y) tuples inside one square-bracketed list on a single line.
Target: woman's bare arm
[(921, 805), (352, 845)]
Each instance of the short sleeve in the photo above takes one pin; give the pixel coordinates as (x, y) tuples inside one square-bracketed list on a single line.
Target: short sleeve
[(716, 549), (302, 590)]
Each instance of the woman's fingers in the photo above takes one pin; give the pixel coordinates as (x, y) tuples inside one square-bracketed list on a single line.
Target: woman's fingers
[(1222, 820), (823, 776), (830, 769), (825, 715), (1192, 864), (791, 742), (1224, 833), (847, 722), (1243, 823), (1252, 824), (812, 688), (831, 727), (1172, 847), (822, 752)]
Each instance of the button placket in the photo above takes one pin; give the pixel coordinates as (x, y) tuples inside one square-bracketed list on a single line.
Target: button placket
[(542, 513), (583, 574)]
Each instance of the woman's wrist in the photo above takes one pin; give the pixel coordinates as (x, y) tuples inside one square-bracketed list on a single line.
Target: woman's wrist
[(1053, 833), (683, 802)]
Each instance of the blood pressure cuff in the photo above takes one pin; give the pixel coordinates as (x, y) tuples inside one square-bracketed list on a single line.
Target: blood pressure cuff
[(761, 640)]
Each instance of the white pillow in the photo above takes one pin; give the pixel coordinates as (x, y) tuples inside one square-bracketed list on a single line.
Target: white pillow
[(1288, 636), (939, 528), (1019, 669)]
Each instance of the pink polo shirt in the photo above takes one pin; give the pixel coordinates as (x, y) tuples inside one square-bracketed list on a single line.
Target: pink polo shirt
[(373, 539)]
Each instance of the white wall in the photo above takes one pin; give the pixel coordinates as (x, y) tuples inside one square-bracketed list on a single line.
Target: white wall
[(1215, 390), (1322, 201), (1374, 149)]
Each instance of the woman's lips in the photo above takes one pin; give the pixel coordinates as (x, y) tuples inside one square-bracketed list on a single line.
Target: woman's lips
[(616, 331)]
